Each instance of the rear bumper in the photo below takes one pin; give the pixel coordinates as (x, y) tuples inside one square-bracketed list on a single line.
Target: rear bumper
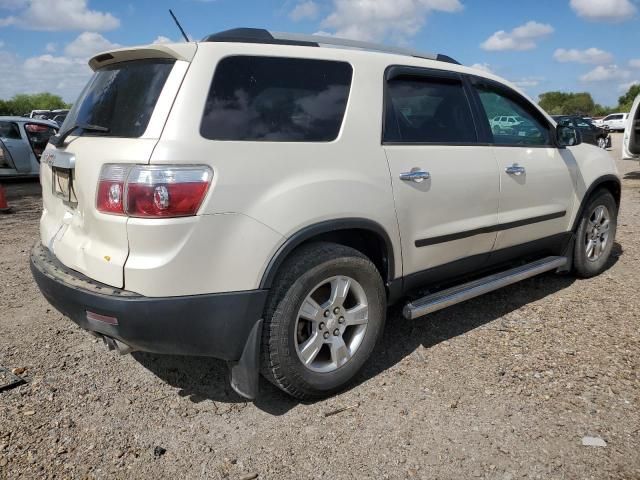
[(214, 325)]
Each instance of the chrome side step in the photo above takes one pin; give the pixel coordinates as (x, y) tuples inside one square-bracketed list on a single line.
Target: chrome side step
[(451, 296)]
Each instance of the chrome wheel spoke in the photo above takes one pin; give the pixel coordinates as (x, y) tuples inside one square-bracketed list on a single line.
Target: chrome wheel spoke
[(309, 350), (310, 310), (339, 351), (601, 245), (599, 214), (604, 227), (358, 315), (590, 248), (339, 290)]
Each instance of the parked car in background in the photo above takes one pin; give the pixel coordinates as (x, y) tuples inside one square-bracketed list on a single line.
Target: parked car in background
[(591, 133), (504, 122), (22, 141), (59, 119), (615, 121), (631, 139), (40, 114)]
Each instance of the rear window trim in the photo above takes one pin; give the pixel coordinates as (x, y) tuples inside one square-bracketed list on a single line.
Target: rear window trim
[(283, 142)]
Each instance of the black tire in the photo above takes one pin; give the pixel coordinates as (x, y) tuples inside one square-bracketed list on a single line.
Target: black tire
[(308, 267), (584, 266)]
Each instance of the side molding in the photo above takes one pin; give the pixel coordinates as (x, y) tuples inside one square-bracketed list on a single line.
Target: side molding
[(328, 226)]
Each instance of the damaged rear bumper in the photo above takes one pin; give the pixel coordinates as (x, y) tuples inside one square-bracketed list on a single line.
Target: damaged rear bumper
[(221, 325)]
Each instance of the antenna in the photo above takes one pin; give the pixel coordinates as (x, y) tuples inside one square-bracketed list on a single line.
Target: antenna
[(186, 39)]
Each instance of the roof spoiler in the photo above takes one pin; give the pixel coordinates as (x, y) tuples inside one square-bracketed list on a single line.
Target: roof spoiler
[(178, 51)]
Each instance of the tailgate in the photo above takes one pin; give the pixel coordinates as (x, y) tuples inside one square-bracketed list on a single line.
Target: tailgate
[(132, 100)]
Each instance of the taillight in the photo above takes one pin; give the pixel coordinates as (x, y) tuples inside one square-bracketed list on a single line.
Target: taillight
[(111, 189), (157, 191)]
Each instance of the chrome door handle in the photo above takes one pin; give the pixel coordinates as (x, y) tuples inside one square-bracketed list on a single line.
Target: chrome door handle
[(415, 176), (515, 169)]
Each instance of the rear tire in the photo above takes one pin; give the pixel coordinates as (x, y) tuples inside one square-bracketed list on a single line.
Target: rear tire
[(324, 315), (595, 235)]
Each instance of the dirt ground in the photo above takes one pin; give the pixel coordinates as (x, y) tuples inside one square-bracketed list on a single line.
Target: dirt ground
[(502, 387)]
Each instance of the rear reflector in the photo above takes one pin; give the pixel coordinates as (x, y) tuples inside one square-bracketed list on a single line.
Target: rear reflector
[(152, 191), (101, 318)]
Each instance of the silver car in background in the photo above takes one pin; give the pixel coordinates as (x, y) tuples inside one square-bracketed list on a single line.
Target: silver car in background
[(22, 141)]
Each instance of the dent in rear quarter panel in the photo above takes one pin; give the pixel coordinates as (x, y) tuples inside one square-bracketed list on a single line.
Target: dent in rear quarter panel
[(196, 255), (593, 163), (287, 186)]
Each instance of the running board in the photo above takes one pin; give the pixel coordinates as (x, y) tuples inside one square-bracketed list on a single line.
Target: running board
[(451, 296)]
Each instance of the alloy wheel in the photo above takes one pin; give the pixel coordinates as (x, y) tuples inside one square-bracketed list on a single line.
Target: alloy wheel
[(331, 324), (597, 233)]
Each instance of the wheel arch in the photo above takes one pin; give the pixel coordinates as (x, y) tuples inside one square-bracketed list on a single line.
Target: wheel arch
[(364, 235), (606, 182)]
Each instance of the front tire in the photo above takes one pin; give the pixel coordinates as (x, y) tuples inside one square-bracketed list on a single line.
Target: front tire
[(324, 315), (602, 143), (595, 235)]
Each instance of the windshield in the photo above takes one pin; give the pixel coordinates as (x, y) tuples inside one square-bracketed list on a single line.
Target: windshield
[(121, 97)]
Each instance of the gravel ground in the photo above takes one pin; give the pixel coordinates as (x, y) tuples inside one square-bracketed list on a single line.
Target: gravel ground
[(504, 386)]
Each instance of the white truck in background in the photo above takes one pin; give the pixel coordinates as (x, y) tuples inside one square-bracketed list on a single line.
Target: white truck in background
[(615, 121)]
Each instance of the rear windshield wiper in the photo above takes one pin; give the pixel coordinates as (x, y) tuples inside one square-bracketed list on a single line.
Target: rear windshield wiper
[(58, 140)]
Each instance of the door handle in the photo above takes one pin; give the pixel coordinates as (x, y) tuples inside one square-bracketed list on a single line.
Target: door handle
[(415, 176), (515, 169)]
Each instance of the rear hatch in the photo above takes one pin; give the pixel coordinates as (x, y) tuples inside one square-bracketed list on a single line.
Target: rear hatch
[(130, 94)]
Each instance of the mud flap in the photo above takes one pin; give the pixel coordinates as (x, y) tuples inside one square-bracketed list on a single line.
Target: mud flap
[(568, 252), (245, 372)]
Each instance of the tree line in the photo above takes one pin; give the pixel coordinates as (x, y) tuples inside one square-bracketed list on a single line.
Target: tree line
[(562, 103), (25, 103)]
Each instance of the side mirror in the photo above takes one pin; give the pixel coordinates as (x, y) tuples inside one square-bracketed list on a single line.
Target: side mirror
[(567, 136)]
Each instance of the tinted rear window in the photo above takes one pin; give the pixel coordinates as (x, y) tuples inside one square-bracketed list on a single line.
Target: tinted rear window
[(428, 110), (276, 99), (121, 97)]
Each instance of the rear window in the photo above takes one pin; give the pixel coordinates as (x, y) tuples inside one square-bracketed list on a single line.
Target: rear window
[(121, 97), (276, 99)]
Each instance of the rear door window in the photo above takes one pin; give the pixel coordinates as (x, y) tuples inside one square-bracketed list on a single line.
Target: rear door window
[(9, 130), (427, 110), (276, 99), (121, 97)]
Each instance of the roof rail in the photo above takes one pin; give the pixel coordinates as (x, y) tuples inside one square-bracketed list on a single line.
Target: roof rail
[(259, 35)]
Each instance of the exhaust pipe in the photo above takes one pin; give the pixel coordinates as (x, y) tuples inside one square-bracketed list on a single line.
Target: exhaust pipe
[(121, 347)]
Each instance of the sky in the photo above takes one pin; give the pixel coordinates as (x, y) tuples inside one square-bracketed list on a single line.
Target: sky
[(541, 45)]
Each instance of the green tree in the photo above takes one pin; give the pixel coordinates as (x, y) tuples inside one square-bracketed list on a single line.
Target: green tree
[(626, 101), (5, 108), (563, 103), (553, 102), (24, 103)]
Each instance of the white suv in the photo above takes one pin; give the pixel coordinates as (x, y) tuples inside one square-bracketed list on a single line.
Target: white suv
[(504, 122), (262, 199), (615, 121)]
